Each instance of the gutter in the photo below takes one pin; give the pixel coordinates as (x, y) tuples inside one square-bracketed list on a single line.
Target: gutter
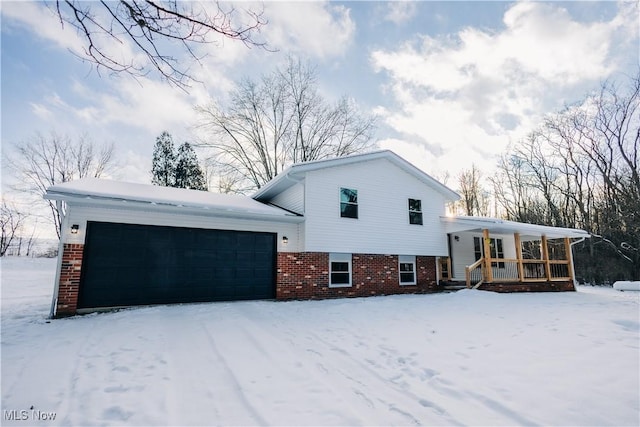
[(198, 209)]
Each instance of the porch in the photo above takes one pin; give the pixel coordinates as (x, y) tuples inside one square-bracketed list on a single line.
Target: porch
[(538, 258)]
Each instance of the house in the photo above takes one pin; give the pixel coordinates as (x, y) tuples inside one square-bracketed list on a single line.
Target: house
[(368, 224)]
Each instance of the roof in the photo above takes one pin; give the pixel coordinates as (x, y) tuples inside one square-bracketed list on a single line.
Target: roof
[(103, 190), (503, 226), (295, 173)]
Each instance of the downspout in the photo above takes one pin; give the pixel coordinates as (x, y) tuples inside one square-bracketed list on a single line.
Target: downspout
[(573, 265), (56, 288)]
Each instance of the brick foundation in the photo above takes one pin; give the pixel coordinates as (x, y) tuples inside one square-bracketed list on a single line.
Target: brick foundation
[(69, 280), (529, 287), (305, 275)]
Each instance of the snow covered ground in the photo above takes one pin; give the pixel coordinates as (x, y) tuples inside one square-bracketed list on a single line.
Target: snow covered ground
[(465, 358)]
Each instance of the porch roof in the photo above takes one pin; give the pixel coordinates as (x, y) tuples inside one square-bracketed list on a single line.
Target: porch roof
[(501, 226)]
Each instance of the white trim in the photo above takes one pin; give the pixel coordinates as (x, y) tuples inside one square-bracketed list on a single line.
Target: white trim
[(502, 226), (295, 173), (106, 192), (407, 259), (341, 257)]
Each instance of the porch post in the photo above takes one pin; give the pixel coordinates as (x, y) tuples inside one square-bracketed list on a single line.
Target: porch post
[(516, 239), (545, 257), (569, 255), (487, 255)]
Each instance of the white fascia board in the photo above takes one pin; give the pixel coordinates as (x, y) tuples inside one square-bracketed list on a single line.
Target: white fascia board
[(459, 224), (295, 173), (122, 203)]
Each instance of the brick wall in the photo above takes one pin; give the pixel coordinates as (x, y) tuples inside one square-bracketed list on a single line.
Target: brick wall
[(529, 287), (69, 279), (305, 275)]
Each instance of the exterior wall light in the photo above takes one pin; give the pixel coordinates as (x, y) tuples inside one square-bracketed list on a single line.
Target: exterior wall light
[(285, 240), (75, 228), (457, 238)]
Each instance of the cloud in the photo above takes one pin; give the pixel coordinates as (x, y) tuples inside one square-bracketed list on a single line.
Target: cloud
[(41, 21), (467, 95), (400, 12), (315, 29), (41, 111)]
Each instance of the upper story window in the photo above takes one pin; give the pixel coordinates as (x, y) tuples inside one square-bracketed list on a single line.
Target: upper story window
[(339, 270), (348, 203), (415, 211)]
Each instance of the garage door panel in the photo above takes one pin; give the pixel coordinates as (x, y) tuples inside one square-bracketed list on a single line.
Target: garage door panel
[(128, 264)]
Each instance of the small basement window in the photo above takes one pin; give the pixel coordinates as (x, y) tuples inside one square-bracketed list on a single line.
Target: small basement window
[(348, 203), (407, 269), (415, 211), (339, 270)]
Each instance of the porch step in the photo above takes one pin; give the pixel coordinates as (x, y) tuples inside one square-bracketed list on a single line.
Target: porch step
[(453, 286)]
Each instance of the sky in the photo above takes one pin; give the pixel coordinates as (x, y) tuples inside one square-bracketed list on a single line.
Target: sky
[(452, 83)]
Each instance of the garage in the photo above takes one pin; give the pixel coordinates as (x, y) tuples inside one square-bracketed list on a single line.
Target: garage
[(133, 264)]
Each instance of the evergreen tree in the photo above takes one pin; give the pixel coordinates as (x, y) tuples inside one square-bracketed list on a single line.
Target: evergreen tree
[(163, 169), (188, 173)]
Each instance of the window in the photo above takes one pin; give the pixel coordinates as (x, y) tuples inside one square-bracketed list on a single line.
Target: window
[(348, 203), (407, 269), (495, 246), (477, 247), (415, 211), (339, 270)]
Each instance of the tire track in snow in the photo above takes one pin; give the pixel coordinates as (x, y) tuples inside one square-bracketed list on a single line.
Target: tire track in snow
[(345, 375), (74, 410), (444, 388), (279, 353), (231, 377), (399, 400)]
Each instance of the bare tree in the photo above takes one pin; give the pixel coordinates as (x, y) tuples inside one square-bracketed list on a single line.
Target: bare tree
[(154, 28), (580, 169), (280, 120), (10, 224), (44, 161), (475, 199)]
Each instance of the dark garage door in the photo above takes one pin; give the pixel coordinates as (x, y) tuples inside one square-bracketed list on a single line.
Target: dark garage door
[(126, 264)]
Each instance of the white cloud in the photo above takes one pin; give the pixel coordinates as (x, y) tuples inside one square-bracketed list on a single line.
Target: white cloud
[(315, 29), (400, 12), (42, 21), (41, 111), (466, 96)]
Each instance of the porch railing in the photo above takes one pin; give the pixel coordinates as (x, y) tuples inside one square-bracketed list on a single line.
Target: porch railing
[(514, 270), (475, 273)]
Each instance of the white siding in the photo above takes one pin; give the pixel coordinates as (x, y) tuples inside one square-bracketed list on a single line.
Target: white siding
[(292, 199), (463, 255), (80, 214), (383, 223)]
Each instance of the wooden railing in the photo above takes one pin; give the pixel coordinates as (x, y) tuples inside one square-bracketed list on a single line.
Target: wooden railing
[(474, 273), (514, 270)]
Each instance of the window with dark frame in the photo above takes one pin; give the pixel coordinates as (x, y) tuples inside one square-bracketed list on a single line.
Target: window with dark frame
[(495, 246), (415, 211), (348, 203)]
